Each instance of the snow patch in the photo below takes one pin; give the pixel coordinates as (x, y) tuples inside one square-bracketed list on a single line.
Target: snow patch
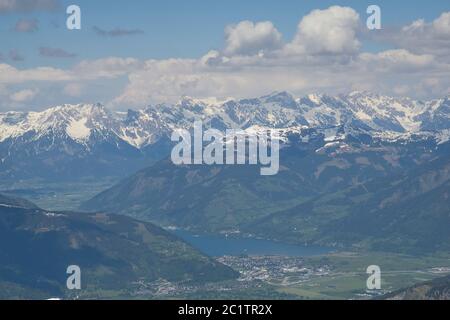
[(78, 130), (314, 98)]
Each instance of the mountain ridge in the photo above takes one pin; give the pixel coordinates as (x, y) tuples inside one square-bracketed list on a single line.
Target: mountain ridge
[(140, 128)]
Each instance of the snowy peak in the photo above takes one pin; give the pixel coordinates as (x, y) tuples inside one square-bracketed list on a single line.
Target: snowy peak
[(385, 113), (75, 121), (282, 99)]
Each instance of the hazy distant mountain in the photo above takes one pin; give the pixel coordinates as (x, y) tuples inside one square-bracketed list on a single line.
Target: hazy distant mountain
[(113, 252), (14, 202), (77, 140)]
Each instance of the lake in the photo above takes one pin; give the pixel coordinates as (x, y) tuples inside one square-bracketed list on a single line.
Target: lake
[(218, 245)]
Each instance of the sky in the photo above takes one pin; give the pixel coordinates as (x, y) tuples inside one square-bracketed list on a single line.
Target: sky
[(129, 54)]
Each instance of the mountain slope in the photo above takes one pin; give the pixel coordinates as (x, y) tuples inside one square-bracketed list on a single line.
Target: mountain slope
[(436, 289), (211, 198), (113, 252), (408, 211), (323, 194)]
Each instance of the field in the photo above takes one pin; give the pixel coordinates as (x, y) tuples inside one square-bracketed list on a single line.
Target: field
[(58, 196), (347, 280)]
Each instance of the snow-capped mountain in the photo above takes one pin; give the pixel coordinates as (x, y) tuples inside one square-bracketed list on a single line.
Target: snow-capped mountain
[(364, 111), (76, 122), (70, 137)]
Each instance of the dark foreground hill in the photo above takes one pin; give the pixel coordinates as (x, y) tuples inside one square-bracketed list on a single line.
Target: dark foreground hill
[(114, 252)]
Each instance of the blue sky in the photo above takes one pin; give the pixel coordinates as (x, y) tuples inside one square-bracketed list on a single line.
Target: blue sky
[(175, 28), (170, 29)]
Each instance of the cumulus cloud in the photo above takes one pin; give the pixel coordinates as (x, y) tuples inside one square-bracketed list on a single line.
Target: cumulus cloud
[(8, 6), (166, 80), (11, 75), (329, 31), (442, 24), (107, 68), (332, 30), (420, 36), (248, 38), (397, 59), (439, 27), (437, 30), (323, 56), (111, 67), (26, 25)]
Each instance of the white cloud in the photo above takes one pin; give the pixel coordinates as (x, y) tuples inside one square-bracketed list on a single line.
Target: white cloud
[(212, 58), (398, 59), (439, 28), (111, 67), (323, 56), (421, 37), (388, 72), (86, 70), (332, 30), (11, 75), (442, 24), (248, 38)]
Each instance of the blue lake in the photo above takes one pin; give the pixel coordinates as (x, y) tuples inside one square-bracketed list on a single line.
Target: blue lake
[(217, 245)]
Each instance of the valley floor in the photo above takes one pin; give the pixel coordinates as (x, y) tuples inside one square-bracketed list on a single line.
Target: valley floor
[(334, 276), (347, 276), (58, 196)]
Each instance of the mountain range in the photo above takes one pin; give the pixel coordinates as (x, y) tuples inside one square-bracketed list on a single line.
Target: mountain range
[(70, 141), (358, 170)]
